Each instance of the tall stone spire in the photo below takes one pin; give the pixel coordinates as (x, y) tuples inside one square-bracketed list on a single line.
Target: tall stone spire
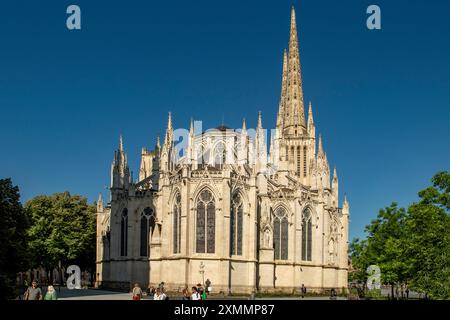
[(282, 106), (294, 113)]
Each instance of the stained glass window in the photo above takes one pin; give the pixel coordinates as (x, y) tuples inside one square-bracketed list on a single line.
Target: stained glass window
[(276, 238), (177, 224), (200, 227), (280, 234), (284, 239), (239, 230), (306, 235), (211, 227), (233, 230), (147, 226), (124, 232), (206, 222)]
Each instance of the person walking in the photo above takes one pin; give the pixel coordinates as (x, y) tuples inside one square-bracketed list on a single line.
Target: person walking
[(51, 294), (333, 294), (208, 286), (137, 292), (303, 290), (151, 291), (159, 295), (195, 295), (33, 292), (203, 294), (186, 294)]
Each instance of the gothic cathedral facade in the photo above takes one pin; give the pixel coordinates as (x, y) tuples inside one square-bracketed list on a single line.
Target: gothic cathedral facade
[(228, 211)]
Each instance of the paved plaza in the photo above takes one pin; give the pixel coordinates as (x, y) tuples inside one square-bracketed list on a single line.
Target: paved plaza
[(95, 294)]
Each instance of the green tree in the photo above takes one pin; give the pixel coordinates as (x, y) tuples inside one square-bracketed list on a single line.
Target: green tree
[(411, 246), (62, 230), (13, 248), (384, 246), (357, 250), (428, 240)]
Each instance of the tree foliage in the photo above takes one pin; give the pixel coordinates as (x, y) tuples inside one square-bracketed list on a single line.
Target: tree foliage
[(427, 244), (13, 248), (411, 246), (62, 229)]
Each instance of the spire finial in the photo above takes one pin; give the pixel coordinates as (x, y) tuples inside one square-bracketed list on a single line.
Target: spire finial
[(168, 136), (169, 121), (158, 142), (310, 115), (191, 128), (244, 125), (320, 144), (345, 204), (259, 120), (100, 203), (293, 26), (120, 143)]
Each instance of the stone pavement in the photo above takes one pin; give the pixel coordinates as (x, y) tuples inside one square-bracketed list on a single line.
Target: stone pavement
[(95, 294), (91, 294)]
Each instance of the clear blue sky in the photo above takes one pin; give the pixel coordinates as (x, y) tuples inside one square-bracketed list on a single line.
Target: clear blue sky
[(381, 98)]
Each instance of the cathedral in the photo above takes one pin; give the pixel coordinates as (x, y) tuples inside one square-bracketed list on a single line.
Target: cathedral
[(226, 209)]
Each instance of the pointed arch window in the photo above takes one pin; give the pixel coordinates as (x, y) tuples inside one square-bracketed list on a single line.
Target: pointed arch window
[(124, 232), (280, 234), (206, 223), (147, 226), (298, 161), (236, 224), (306, 235), (177, 224)]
